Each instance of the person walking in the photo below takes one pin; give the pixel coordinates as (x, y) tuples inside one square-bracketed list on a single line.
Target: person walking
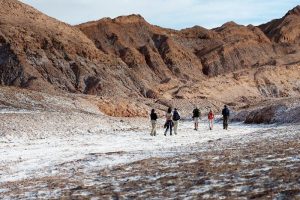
[(211, 118), (196, 117), (153, 117), (226, 114), (176, 118), (169, 122)]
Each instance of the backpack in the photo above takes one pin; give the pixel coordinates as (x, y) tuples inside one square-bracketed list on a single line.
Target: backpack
[(153, 116), (196, 113), (176, 116), (226, 112)]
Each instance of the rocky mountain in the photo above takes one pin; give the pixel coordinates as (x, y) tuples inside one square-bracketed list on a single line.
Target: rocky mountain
[(41, 53), (221, 50), (127, 58), (245, 57), (228, 48), (285, 30), (188, 54), (145, 48)]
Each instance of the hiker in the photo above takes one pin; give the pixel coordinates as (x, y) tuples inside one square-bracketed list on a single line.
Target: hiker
[(211, 118), (169, 122), (176, 118), (225, 113), (153, 117), (196, 117)]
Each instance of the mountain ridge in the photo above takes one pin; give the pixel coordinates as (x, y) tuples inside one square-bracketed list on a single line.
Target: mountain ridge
[(129, 58)]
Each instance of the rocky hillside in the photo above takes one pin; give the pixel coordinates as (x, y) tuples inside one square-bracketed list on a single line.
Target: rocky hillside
[(232, 64), (188, 54), (128, 58), (146, 49), (222, 50), (227, 48), (41, 53), (284, 30)]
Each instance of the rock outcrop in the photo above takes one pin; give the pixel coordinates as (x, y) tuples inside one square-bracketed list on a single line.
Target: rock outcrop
[(228, 48), (166, 53), (147, 50), (285, 30), (41, 53)]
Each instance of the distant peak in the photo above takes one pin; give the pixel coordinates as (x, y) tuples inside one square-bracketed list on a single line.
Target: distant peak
[(294, 11), (129, 19), (195, 28), (229, 24), (126, 19), (198, 27)]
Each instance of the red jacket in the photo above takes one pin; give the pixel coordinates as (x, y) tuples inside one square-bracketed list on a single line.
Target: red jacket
[(211, 115)]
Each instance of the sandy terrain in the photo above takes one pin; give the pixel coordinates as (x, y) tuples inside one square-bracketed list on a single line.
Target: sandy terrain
[(96, 157)]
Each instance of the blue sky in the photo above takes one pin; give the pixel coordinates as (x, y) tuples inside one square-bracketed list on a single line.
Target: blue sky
[(176, 14)]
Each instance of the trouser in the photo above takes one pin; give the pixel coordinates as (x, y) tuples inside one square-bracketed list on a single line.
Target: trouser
[(225, 122), (210, 124), (196, 122), (176, 126), (169, 126), (153, 131)]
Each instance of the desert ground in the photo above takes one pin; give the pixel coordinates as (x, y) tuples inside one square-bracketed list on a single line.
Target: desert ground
[(53, 155)]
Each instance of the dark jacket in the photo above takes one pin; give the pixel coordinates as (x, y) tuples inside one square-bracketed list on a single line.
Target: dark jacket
[(226, 112), (196, 113), (153, 116), (176, 116)]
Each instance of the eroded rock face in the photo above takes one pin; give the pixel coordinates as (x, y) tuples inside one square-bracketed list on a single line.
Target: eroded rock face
[(41, 53), (34, 53), (228, 48), (280, 111), (165, 52), (265, 115), (10, 67), (148, 50), (274, 114), (285, 30)]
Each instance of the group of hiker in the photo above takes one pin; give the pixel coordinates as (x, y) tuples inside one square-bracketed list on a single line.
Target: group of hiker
[(173, 117)]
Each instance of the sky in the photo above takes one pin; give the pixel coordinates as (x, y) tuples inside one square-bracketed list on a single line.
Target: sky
[(176, 14)]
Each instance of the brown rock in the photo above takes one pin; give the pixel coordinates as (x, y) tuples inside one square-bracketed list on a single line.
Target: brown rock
[(285, 30), (128, 58)]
